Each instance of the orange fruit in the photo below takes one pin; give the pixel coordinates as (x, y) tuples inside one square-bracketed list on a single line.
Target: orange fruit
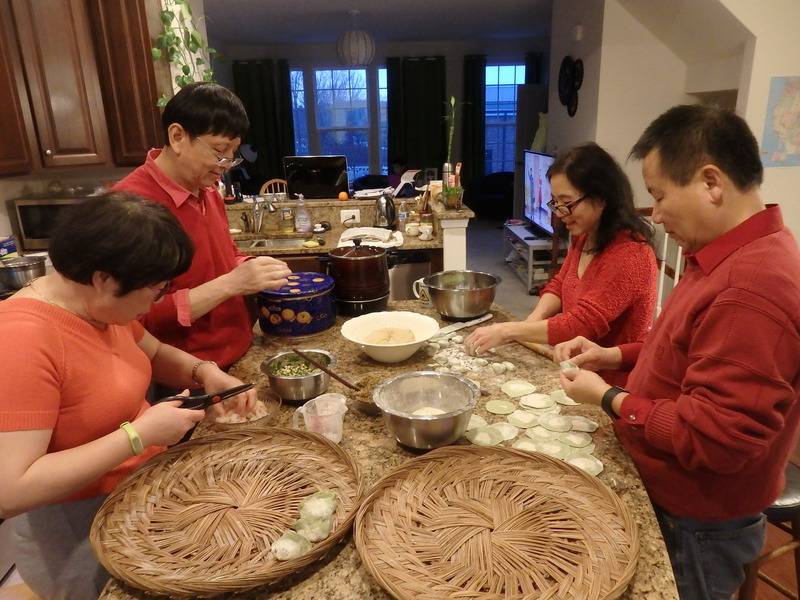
[(343, 196)]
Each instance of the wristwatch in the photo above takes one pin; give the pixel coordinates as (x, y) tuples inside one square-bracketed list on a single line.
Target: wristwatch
[(605, 403)]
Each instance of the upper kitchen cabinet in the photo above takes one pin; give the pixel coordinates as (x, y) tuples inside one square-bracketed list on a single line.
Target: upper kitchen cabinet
[(128, 76), (60, 68), (15, 118)]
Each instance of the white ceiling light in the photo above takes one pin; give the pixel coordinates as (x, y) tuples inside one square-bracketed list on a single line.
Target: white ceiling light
[(355, 48)]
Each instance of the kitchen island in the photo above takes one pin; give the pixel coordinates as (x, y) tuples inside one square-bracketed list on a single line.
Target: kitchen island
[(341, 574)]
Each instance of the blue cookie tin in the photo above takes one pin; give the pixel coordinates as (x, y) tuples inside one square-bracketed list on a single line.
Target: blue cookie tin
[(303, 307)]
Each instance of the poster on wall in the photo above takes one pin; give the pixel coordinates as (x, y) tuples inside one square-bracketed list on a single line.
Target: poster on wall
[(780, 144)]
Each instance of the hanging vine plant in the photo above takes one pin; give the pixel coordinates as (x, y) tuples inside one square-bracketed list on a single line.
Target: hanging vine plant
[(183, 47)]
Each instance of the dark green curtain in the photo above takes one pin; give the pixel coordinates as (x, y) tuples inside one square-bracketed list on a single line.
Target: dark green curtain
[(473, 118), (534, 68), (415, 110), (265, 90)]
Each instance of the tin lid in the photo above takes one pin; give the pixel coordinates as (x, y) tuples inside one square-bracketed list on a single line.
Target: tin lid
[(302, 284)]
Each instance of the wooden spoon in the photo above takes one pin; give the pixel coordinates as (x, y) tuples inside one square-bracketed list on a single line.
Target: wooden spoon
[(305, 356)]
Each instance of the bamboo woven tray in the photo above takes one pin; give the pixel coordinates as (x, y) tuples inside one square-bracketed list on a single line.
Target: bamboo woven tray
[(198, 520), (491, 523)]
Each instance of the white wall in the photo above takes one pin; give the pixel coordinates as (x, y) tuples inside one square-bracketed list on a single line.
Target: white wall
[(776, 53), (639, 79)]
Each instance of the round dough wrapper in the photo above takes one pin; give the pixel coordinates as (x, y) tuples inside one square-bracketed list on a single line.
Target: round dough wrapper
[(523, 418), (507, 430), (590, 464), (538, 401), (484, 436), (555, 422), (517, 387), (500, 407)]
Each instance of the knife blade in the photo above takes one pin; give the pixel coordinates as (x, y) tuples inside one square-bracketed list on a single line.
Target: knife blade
[(456, 326)]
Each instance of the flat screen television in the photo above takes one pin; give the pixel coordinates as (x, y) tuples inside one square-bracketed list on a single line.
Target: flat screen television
[(537, 192), (315, 177)]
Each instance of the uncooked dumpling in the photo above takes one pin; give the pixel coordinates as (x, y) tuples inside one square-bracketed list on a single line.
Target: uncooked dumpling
[(390, 335), (320, 505), (314, 529), (290, 545)]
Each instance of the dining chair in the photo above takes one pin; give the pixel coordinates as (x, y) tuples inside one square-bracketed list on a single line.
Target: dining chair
[(273, 186), (784, 514)]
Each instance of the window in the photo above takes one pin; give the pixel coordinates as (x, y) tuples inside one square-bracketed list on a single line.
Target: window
[(342, 111), (501, 115)]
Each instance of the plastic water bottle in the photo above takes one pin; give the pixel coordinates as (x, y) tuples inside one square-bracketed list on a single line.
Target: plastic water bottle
[(402, 215), (302, 220)]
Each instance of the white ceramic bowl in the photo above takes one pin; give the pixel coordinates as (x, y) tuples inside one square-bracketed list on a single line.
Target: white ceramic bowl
[(358, 329)]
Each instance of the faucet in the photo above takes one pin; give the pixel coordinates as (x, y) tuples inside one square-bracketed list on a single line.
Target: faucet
[(258, 211)]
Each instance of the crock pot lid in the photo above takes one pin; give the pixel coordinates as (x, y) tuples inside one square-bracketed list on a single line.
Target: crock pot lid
[(357, 252), (302, 284)]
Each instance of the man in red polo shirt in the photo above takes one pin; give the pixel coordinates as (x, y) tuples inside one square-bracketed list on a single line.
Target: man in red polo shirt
[(711, 412)]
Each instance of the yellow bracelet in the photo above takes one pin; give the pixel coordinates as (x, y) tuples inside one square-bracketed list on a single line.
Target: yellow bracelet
[(133, 438)]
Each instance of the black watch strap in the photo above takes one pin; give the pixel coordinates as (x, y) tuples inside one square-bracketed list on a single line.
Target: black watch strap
[(605, 403)]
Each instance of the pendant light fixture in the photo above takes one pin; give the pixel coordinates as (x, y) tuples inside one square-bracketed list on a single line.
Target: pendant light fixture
[(355, 47)]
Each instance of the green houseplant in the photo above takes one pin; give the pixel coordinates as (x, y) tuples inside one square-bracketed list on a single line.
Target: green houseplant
[(452, 191), (189, 56)]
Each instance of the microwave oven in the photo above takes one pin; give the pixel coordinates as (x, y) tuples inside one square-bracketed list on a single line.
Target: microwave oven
[(35, 219)]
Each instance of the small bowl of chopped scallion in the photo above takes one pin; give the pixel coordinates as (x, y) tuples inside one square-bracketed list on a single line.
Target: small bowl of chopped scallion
[(294, 378)]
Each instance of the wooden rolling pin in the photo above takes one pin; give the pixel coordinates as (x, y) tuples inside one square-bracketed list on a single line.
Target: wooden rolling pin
[(546, 351)]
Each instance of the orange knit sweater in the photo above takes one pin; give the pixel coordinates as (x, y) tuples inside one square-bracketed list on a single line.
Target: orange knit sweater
[(61, 373)]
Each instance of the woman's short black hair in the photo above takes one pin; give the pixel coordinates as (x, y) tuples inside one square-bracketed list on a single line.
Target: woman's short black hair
[(137, 242), (689, 136), (206, 108), (599, 177)]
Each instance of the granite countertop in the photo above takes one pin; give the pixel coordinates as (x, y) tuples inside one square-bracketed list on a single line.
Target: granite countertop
[(341, 574)]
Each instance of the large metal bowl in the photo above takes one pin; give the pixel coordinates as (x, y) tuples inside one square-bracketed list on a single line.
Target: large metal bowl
[(17, 272), (462, 295), (400, 396), (298, 388)]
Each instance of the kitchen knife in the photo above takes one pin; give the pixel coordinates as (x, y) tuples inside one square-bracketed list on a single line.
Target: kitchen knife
[(457, 326)]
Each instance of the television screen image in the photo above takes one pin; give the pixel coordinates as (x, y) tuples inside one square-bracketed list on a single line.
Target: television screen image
[(316, 177), (537, 191)]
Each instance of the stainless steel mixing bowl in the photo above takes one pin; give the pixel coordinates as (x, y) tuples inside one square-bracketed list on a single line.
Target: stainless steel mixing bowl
[(460, 294), (400, 396), (17, 272), (298, 387)]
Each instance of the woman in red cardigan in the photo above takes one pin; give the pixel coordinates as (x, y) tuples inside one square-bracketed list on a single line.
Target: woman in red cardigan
[(606, 288)]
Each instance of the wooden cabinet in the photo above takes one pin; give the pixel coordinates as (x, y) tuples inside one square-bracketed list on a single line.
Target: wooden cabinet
[(128, 76), (15, 118), (78, 85), (63, 85)]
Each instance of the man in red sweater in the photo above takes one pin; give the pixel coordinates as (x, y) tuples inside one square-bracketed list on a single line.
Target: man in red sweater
[(711, 412), (205, 313)]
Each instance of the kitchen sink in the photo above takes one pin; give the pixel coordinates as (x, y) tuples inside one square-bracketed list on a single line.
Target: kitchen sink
[(271, 243)]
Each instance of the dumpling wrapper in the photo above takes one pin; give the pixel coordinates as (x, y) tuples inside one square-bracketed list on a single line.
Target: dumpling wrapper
[(320, 505), (484, 436), (583, 424), (523, 418), (500, 407), (537, 401), (538, 433), (561, 397), (314, 529), (576, 439), (476, 421), (555, 422), (290, 545), (507, 430), (517, 387), (527, 445), (590, 464)]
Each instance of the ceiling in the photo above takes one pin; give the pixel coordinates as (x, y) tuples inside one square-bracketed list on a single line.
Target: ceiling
[(246, 22)]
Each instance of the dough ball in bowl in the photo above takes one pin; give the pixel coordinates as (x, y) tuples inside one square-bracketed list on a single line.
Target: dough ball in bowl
[(390, 336)]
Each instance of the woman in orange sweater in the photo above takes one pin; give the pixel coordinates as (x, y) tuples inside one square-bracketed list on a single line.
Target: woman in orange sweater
[(74, 421), (606, 288)]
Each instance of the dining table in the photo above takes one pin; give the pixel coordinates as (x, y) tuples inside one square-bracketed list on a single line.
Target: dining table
[(341, 574)]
